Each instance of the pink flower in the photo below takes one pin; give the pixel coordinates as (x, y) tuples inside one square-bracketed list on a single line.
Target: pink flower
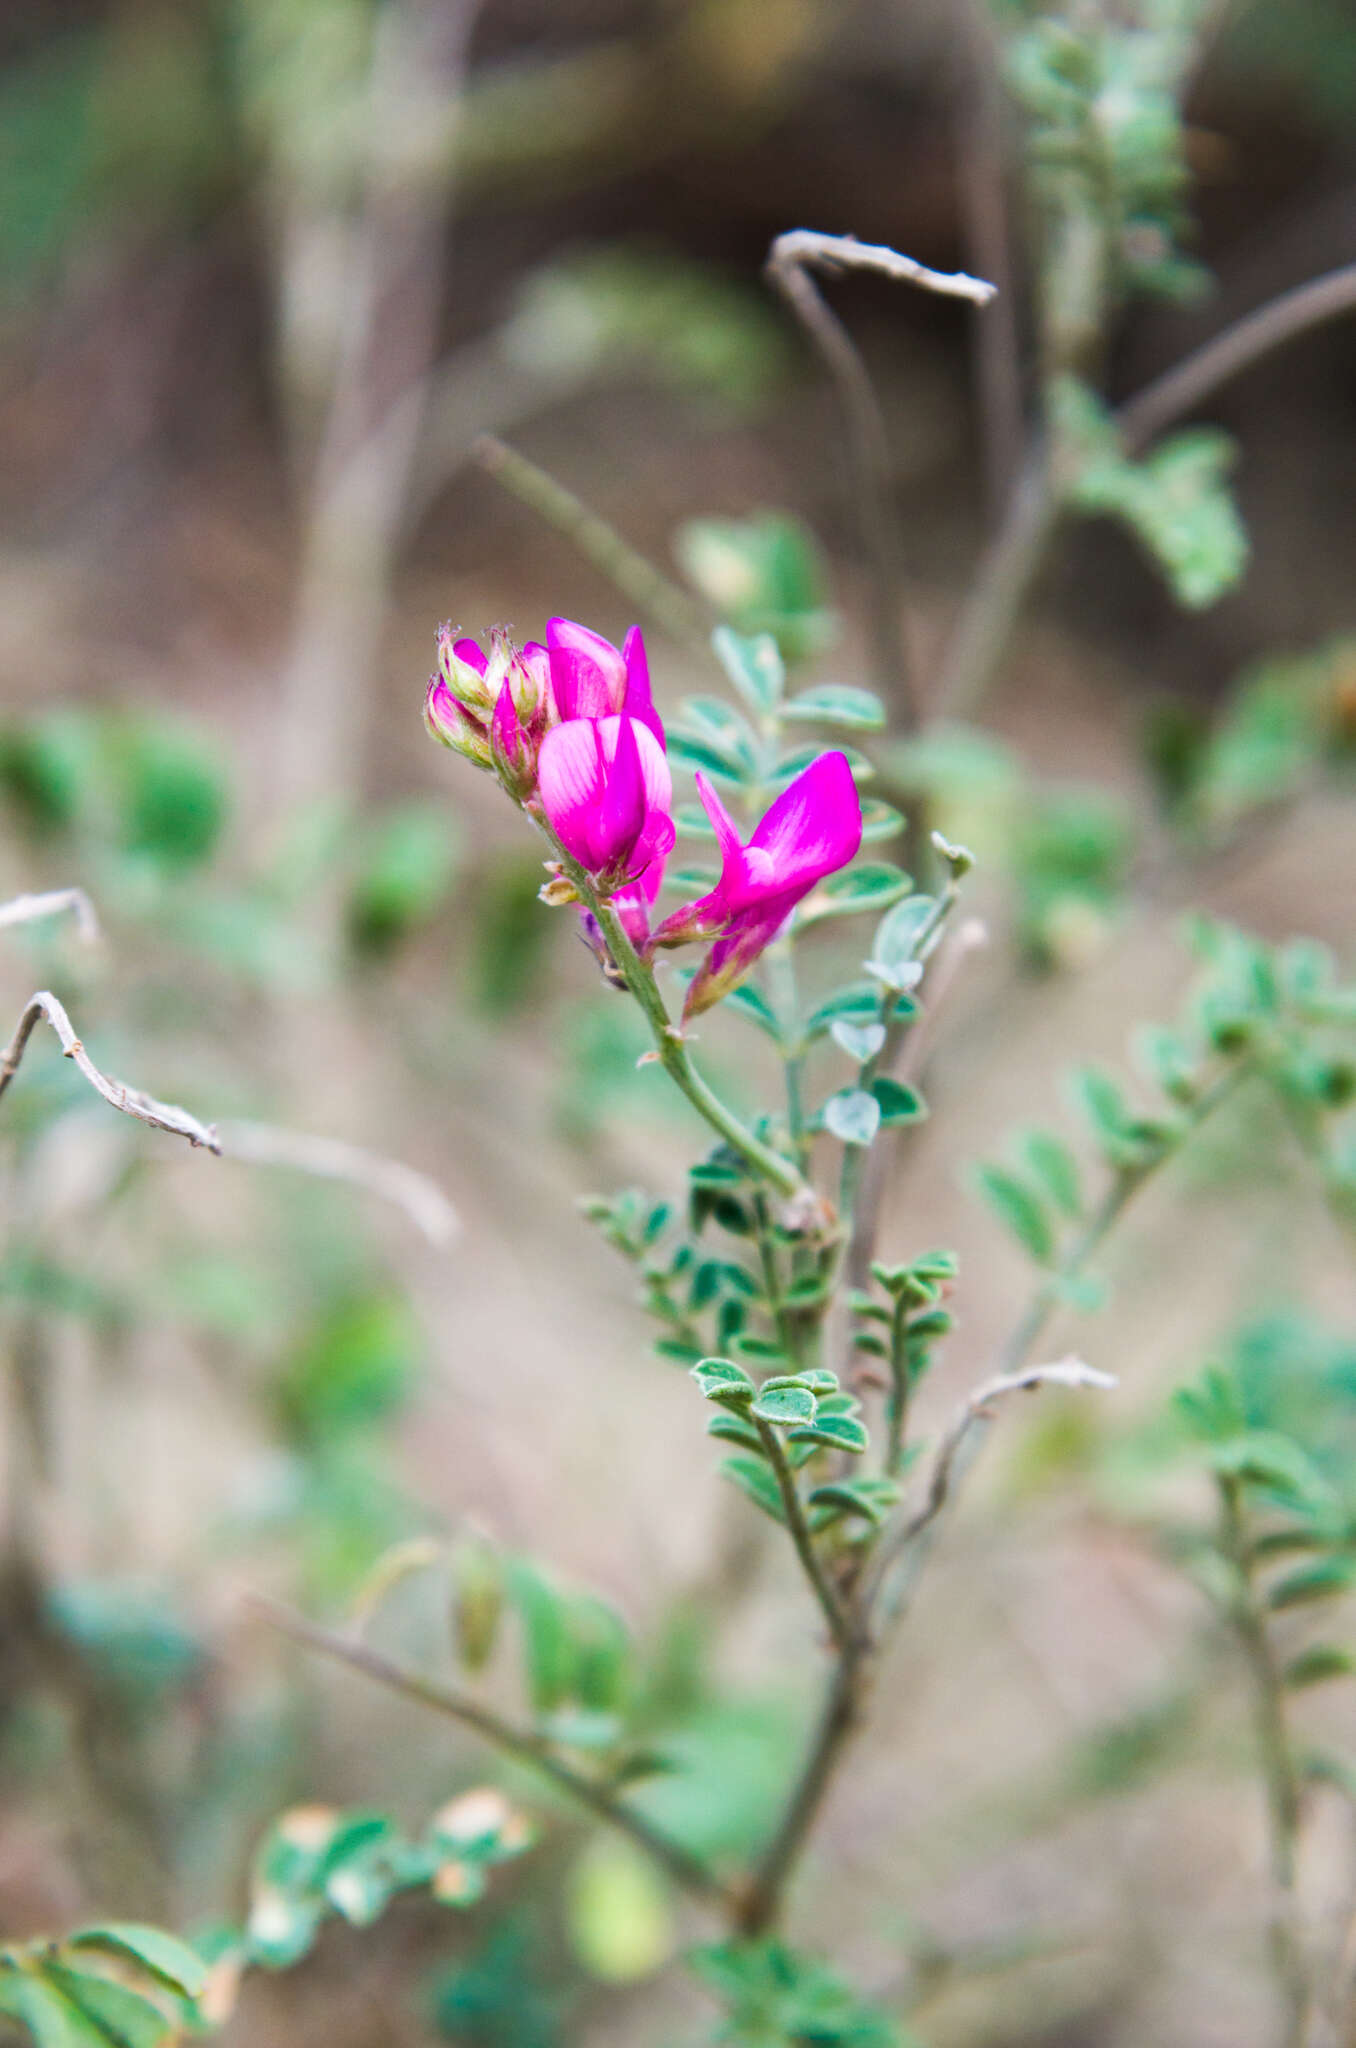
[(606, 790), (812, 829), (590, 679)]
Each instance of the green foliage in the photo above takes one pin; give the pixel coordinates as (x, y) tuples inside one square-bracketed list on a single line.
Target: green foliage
[(354, 1367), (113, 1986), (405, 866), (1284, 722), (765, 575), (776, 1998), (1277, 1015), (1106, 163), (1174, 500), (1071, 859), (317, 1863), (608, 308)]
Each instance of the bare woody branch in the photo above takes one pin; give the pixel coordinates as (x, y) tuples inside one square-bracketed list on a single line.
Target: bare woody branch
[(422, 1200), (161, 1116), (790, 262), (53, 903), (974, 1412)]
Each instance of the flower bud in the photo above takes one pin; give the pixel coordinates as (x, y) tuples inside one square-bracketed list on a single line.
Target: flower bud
[(450, 721), (473, 677), (512, 747)]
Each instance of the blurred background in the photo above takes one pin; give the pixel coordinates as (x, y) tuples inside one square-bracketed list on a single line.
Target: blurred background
[(268, 268)]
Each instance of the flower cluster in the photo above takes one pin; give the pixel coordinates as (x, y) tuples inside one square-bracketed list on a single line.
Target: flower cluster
[(571, 731)]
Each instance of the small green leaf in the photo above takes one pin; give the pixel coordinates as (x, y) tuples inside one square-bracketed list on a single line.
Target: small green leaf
[(840, 1432), (880, 821), (785, 1405), (837, 704), (1317, 1664), (746, 1002), (871, 1499), (710, 721), (691, 752), (720, 1379), (755, 1479), (172, 1961), (852, 1116), (899, 931), (754, 666), (858, 1002), (898, 1103), (734, 1429), (1054, 1166), (869, 885), (547, 1652), (1013, 1202), (861, 1042), (113, 2011), (1319, 1581)]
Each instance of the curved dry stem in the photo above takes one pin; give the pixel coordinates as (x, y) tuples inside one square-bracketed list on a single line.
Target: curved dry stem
[(53, 903), (161, 1116), (421, 1198), (790, 261)]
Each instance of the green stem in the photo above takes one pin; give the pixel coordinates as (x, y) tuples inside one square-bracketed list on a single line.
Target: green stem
[(897, 1402), (674, 1057), (1277, 1766), (839, 1626), (780, 964), (783, 1320)]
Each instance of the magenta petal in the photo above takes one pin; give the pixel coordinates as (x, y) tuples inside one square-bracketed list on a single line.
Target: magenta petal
[(621, 818), (639, 701), (570, 785), (588, 675), (472, 654), (815, 825)]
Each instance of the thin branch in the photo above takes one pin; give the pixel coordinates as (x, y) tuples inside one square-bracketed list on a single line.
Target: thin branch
[(1277, 1763), (1008, 570), (1066, 1372), (52, 903), (1181, 389), (680, 616), (255, 1144), (523, 1745), (839, 1717), (985, 208), (790, 262), (839, 1626), (161, 1116), (913, 1049), (421, 1198)]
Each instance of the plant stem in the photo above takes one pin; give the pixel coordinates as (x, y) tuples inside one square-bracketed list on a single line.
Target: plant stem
[(897, 1401), (839, 1626), (523, 1745), (839, 1716), (979, 639), (1277, 1766), (680, 616), (1181, 389), (674, 1057)]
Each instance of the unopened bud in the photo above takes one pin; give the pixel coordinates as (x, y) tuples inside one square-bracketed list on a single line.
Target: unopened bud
[(450, 721)]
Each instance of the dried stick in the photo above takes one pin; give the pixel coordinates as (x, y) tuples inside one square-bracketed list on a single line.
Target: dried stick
[(790, 261), (51, 903), (161, 1116), (335, 1159), (974, 1411), (255, 1144), (523, 1745)]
